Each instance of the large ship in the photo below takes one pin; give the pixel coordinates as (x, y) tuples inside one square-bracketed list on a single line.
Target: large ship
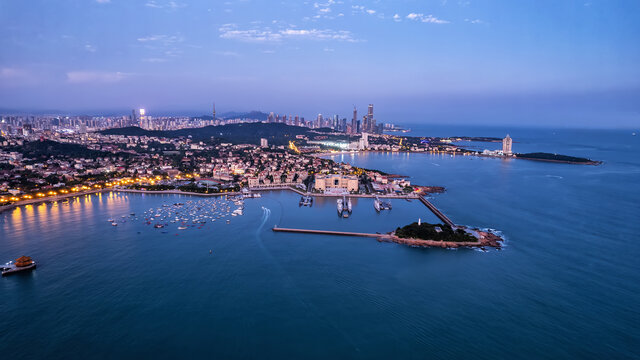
[(381, 205), (23, 263)]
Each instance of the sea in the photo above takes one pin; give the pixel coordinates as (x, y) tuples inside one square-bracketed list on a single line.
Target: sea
[(565, 285)]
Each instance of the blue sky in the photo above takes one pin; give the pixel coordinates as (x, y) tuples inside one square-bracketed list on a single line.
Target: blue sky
[(509, 62)]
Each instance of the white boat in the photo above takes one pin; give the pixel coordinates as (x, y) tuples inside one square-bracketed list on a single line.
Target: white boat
[(376, 204), (114, 224), (349, 205), (340, 207), (182, 227)]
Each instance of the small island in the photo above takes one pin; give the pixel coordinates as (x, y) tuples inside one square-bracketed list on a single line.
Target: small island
[(542, 156), (437, 232), (420, 234)]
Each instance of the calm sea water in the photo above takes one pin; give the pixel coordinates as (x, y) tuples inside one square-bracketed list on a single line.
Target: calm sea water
[(567, 284)]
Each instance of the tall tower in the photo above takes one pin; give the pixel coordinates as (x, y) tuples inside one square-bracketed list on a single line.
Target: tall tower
[(214, 111), (506, 145), (370, 118), (354, 121)]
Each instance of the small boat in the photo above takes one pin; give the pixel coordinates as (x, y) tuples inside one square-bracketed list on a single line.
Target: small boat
[(114, 224), (23, 263), (158, 226), (110, 220), (182, 227)]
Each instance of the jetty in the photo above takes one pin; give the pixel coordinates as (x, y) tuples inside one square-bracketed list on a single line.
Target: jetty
[(330, 232), (484, 239), (436, 212)]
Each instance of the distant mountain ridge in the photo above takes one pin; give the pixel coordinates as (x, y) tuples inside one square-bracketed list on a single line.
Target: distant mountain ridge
[(254, 115)]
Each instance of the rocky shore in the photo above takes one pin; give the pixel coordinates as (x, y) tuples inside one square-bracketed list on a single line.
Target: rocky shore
[(485, 240)]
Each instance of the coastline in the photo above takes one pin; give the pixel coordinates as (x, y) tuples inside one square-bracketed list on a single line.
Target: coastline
[(591, 162), (56, 198)]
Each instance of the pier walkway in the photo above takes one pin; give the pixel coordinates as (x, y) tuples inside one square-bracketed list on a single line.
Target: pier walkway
[(330, 232), (436, 212)]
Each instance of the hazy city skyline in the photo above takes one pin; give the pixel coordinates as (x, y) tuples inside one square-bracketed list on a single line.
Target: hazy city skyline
[(570, 63)]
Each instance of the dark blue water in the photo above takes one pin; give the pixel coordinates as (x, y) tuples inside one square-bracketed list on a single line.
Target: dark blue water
[(567, 283)]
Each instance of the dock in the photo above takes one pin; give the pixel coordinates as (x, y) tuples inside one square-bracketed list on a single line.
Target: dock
[(436, 212), (330, 232)]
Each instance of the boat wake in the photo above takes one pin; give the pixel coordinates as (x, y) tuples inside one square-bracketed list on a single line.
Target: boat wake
[(554, 176), (266, 213)]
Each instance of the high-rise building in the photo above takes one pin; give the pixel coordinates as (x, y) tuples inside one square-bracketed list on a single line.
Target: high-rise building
[(370, 125), (214, 111), (506, 145), (354, 121), (143, 118), (264, 143)]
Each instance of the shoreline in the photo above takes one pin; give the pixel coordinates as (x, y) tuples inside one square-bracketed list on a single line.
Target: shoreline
[(486, 239), (57, 198), (591, 162)]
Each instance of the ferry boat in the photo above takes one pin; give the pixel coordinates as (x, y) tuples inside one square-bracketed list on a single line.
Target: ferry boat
[(23, 263)]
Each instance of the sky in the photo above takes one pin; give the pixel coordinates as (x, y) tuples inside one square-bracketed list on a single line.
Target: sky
[(525, 62)]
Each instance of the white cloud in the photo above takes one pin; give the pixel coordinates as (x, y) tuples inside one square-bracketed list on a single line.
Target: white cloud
[(82, 77), (230, 31), (154, 60), (362, 9), (171, 5), (90, 48), (103, 1), (426, 18), (475, 21), (397, 18), (227, 53), (161, 39), (12, 73)]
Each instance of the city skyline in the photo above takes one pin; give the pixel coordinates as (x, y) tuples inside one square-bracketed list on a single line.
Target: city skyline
[(534, 63)]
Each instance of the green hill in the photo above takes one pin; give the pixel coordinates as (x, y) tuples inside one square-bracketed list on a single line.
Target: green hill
[(245, 133)]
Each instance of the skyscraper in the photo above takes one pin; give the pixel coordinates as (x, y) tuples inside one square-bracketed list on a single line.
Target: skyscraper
[(354, 121), (370, 125), (506, 145)]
